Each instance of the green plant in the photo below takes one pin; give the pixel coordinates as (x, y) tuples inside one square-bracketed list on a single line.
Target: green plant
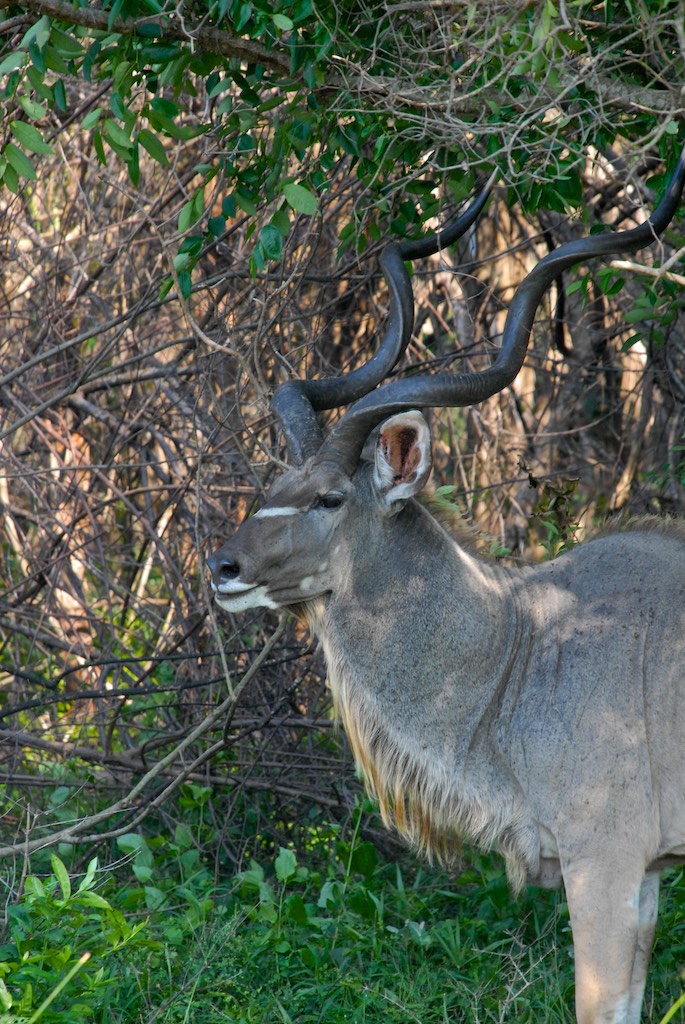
[(268, 71), (671, 471), (59, 961), (555, 513), (353, 938)]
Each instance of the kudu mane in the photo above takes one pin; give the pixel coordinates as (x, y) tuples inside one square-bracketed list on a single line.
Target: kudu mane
[(431, 809)]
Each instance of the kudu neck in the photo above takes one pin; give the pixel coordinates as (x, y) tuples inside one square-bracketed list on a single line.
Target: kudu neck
[(408, 596)]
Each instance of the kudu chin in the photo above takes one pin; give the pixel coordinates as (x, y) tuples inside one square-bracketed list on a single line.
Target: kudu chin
[(537, 710)]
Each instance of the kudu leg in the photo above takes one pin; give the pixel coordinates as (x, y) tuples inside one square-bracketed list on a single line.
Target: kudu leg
[(613, 915), (647, 914)]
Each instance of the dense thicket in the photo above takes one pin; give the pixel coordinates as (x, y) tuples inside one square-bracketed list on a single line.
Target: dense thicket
[(193, 201)]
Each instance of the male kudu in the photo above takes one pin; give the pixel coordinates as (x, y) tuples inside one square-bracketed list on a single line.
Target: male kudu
[(536, 710)]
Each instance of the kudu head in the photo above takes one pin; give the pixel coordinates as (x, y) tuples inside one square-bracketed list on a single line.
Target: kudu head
[(292, 550)]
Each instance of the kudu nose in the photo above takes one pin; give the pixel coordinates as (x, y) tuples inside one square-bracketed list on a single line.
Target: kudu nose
[(229, 570), (223, 569)]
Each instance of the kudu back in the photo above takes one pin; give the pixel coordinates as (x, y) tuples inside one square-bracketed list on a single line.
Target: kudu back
[(539, 710)]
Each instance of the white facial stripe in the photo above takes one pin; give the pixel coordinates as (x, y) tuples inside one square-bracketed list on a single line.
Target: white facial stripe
[(254, 598), (270, 513)]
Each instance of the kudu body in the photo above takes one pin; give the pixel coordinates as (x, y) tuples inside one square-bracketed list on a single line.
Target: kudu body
[(536, 710)]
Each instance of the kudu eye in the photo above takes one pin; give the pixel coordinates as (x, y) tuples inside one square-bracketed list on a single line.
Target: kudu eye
[(333, 499)]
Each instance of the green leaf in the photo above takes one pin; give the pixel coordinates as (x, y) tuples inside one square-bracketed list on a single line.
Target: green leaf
[(308, 957), (54, 61), (5, 997), (34, 110), (242, 16), (114, 13), (192, 244), (39, 33), (65, 43), (364, 859), (575, 286), (19, 161), (245, 202), (11, 179), (116, 134), (119, 108), (160, 53), (185, 283), (91, 119), (639, 313), (286, 862), (282, 21), (183, 260), (300, 198), (99, 148), (281, 220), (153, 145), (12, 62), (60, 96), (88, 879), (29, 137), (132, 843), (191, 212), (154, 897), (295, 909), (361, 902), (216, 226), (134, 165), (123, 77), (610, 285), (92, 899), (183, 837), (271, 242), (35, 887), (37, 58), (164, 107), (331, 892), (62, 876)]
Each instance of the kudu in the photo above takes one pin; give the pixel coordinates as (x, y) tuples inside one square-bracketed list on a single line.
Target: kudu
[(536, 710)]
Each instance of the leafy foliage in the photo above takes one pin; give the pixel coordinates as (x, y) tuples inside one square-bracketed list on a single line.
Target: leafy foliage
[(291, 89), (59, 965), (333, 932)]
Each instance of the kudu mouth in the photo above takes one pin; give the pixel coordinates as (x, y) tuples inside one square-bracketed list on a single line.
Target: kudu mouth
[(231, 592)]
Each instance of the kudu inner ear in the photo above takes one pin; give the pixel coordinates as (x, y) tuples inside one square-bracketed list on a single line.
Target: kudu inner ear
[(403, 456)]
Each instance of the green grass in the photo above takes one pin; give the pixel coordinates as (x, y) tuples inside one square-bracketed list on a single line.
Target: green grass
[(359, 944), (331, 934)]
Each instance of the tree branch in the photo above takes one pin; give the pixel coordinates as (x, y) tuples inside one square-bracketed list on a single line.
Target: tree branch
[(443, 97), (74, 833), (169, 29)]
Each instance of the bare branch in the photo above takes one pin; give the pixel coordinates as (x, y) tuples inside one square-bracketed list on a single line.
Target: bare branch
[(78, 830)]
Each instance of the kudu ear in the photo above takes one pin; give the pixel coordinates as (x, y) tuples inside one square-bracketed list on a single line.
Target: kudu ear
[(403, 456)]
